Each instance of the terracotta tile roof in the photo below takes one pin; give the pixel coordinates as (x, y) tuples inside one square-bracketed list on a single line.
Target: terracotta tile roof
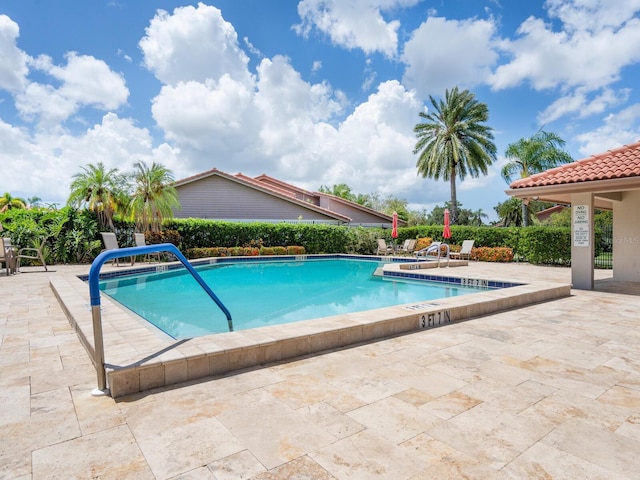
[(622, 162)]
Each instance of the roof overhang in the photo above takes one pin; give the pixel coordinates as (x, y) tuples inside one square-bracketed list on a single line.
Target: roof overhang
[(605, 192), (255, 185)]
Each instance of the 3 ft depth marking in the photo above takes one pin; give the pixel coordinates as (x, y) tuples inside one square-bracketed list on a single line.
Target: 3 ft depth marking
[(435, 319)]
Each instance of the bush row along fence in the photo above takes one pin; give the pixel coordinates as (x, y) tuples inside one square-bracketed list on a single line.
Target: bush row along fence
[(73, 236)]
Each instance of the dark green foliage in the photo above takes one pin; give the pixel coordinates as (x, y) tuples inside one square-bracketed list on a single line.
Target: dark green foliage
[(545, 245), (69, 234), (538, 245), (363, 241), (72, 236), (198, 233)]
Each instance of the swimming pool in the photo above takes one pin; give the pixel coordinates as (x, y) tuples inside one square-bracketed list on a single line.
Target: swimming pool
[(139, 357), (259, 293)]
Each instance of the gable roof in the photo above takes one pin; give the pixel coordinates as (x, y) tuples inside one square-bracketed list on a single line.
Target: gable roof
[(605, 174), (543, 215), (305, 194), (264, 178), (252, 183), (322, 203), (623, 162)]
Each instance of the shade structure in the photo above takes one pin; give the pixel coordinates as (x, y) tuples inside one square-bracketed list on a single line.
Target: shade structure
[(446, 233), (394, 226)]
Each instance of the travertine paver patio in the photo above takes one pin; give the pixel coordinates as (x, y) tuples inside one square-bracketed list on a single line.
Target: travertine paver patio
[(547, 391)]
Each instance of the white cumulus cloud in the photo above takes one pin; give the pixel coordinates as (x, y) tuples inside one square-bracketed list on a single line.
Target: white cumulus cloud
[(354, 24), (574, 56), (193, 44), (443, 53), (13, 61)]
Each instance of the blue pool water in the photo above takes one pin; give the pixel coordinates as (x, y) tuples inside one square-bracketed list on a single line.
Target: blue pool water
[(266, 293)]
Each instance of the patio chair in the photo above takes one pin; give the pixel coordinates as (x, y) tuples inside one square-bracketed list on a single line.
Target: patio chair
[(383, 249), (141, 242), (465, 251), (7, 255), (408, 246), (31, 253), (111, 243)]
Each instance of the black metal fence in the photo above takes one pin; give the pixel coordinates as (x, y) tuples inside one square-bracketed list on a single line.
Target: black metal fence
[(604, 247)]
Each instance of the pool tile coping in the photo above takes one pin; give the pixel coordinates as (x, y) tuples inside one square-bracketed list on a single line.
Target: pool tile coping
[(140, 357)]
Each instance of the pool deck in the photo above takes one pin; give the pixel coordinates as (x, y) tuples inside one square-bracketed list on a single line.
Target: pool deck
[(550, 390), (139, 357)]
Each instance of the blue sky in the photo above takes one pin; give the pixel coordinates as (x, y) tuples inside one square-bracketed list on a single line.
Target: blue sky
[(314, 92)]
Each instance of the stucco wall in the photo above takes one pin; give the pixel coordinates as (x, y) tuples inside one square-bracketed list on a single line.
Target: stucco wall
[(626, 238)]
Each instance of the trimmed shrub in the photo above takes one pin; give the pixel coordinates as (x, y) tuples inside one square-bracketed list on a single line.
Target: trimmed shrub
[(166, 236), (423, 242), (492, 254), (546, 245)]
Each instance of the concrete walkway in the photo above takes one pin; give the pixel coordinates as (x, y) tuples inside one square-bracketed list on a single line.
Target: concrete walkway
[(547, 391)]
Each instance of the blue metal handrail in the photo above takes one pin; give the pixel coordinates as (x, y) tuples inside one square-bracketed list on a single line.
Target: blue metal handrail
[(94, 293)]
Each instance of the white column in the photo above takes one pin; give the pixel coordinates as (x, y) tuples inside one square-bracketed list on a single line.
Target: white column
[(626, 238), (582, 241)]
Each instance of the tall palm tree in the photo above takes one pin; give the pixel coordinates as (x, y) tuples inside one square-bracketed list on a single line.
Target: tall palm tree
[(453, 142), (510, 213), (533, 155), (8, 202), (154, 198), (476, 217), (100, 190), (34, 201)]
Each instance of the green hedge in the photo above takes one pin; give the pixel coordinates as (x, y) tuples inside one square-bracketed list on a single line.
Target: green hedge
[(545, 245), (198, 233), (72, 236), (483, 236)]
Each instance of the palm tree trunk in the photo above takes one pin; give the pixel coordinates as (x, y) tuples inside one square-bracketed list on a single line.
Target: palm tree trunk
[(525, 217), (454, 198)]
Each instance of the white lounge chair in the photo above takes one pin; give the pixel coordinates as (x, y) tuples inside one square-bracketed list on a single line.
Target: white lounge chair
[(408, 246), (111, 243), (383, 249), (465, 251), (141, 242)]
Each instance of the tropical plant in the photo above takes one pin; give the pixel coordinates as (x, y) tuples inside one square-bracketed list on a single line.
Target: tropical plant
[(510, 212), (465, 216), (341, 190), (453, 141), (476, 217), (7, 202), (100, 190), (34, 201), (154, 198), (533, 155)]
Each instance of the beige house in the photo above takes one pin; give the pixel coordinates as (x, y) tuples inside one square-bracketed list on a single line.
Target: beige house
[(218, 195), (609, 181)]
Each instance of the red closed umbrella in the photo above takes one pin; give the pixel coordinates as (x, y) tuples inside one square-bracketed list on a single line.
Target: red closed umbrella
[(447, 229), (394, 226)]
